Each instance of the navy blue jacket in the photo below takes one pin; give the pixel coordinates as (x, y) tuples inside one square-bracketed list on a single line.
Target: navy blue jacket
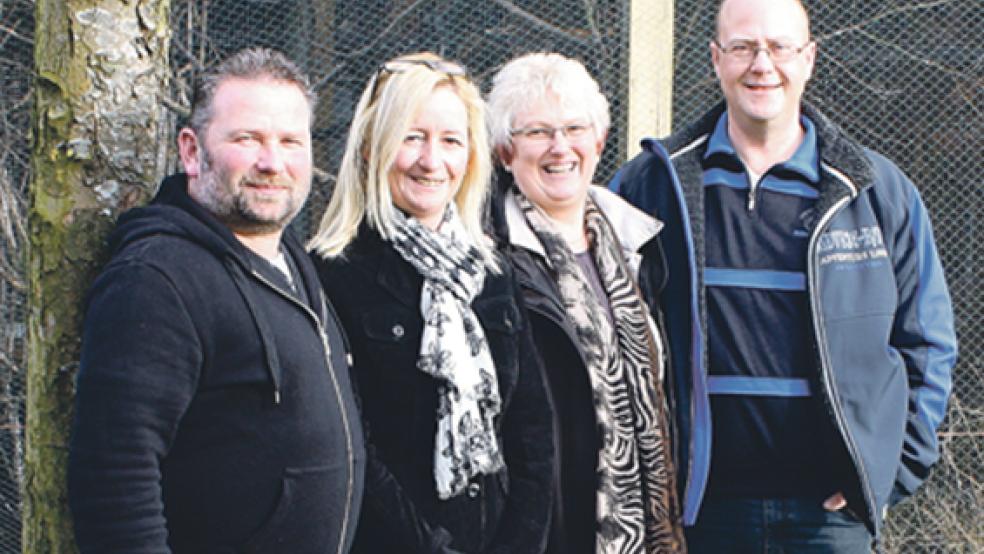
[(213, 412), (881, 313)]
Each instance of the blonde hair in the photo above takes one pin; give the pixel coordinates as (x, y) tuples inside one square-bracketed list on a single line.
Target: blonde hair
[(531, 78), (383, 115)]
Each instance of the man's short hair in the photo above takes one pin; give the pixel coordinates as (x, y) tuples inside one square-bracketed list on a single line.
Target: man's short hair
[(250, 64), (720, 7)]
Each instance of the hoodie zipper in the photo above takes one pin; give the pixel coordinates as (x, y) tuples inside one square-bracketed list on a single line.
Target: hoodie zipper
[(338, 396), (826, 372)]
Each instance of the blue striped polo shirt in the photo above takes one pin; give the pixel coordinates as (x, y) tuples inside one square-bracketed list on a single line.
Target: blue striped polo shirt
[(762, 372)]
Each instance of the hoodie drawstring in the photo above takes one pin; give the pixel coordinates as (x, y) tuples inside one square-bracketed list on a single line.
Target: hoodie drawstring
[(266, 333)]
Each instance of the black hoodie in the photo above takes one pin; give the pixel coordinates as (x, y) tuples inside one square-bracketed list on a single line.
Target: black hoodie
[(214, 411)]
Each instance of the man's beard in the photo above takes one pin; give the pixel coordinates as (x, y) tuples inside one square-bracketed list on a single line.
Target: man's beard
[(229, 202)]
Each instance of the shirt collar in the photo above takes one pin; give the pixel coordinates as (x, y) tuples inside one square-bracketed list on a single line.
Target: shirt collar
[(633, 227), (805, 161)]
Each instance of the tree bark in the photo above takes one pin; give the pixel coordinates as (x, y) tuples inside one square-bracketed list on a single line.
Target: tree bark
[(101, 142)]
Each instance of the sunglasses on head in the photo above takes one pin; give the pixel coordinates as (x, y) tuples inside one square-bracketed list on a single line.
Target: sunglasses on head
[(451, 69)]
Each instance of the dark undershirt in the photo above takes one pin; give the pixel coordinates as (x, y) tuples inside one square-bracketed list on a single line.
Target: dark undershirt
[(591, 273)]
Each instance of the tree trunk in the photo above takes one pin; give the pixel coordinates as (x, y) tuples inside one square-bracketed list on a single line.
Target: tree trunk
[(101, 142)]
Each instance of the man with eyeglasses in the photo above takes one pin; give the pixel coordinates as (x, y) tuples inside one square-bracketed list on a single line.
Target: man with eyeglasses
[(811, 329)]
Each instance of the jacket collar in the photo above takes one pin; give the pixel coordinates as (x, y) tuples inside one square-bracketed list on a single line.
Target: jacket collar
[(845, 168), (838, 153), (520, 232), (633, 227), (382, 262), (804, 162), (398, 277)]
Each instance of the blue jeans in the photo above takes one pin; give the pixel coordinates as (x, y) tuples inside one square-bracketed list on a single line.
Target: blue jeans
[(775, 526)]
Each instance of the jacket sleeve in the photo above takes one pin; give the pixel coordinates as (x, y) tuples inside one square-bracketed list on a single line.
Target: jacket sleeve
[(923, 335), (139, 369), (528, 436)]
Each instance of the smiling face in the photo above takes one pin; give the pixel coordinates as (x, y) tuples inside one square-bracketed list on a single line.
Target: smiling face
[(554, 173), (252, 168), (761, 93), (432, 159)]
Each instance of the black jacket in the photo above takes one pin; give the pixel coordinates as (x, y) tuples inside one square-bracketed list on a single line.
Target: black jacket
[(214, 411), (573, 527), (377, 294)]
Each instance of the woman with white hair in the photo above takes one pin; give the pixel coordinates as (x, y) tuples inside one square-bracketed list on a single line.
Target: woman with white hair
[(459, 429), (590, 267)]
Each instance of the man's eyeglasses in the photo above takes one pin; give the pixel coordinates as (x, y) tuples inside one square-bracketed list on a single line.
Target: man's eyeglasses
[(573, 131), (450, 69), (746, 50)]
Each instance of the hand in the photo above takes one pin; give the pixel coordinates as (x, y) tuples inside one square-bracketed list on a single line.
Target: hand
[(835, 502)]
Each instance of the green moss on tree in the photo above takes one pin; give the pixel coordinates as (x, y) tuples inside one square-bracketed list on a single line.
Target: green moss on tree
[(99, 130)]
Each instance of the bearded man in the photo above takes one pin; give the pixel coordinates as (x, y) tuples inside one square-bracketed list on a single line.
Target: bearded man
[(214, 411)]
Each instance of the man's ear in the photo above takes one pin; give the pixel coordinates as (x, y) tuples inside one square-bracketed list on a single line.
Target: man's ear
[(715, 58), (810, 55), (190, 151)]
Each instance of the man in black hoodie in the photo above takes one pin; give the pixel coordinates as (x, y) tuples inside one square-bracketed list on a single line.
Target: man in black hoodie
[(214, 411)]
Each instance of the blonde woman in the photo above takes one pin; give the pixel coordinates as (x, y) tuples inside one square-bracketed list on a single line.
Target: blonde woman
[(460, 431)]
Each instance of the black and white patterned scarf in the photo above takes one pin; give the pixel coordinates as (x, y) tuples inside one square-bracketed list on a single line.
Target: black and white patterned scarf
[(636, 501), (454, 350)]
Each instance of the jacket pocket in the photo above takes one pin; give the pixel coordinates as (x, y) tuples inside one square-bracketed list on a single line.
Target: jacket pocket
[(390, 326), (309, 514), (387, 345)]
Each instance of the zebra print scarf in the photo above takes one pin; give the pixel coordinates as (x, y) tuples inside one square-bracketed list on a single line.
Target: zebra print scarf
[(454, 350), (636, 507)]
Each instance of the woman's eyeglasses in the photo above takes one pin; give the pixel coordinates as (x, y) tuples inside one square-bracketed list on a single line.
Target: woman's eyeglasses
[(571, 131), (451, 69)]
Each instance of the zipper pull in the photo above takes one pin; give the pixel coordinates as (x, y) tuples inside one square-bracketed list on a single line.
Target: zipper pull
[(753, 181), (276, 396)]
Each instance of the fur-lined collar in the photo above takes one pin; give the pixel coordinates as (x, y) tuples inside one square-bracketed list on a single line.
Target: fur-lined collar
[(837, 149)]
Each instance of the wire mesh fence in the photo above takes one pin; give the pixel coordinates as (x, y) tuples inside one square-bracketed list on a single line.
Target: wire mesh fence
[(16, 51), (342, 42), (904, 77)]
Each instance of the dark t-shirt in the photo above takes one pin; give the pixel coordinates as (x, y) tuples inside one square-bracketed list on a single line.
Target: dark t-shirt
[(591, 273)]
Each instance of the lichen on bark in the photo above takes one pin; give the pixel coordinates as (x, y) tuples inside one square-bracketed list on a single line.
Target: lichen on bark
[(101, 138)]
